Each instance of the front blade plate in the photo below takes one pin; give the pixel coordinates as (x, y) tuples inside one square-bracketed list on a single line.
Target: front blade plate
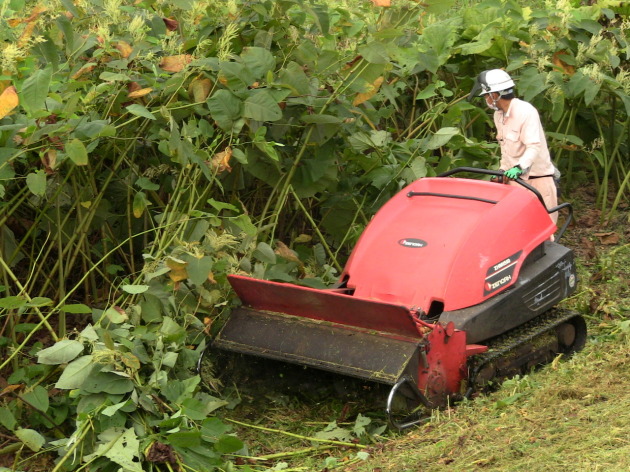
[(369, 355)]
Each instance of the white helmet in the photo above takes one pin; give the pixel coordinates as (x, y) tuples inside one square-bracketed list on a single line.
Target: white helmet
[(495, 80)]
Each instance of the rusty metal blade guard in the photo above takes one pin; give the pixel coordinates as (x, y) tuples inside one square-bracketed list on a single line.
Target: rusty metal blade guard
[(318, 328)]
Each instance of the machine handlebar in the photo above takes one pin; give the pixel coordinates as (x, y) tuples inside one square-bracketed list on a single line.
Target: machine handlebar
[(496, 173)]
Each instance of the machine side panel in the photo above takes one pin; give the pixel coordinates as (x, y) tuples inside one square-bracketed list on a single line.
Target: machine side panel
[(540, 286)]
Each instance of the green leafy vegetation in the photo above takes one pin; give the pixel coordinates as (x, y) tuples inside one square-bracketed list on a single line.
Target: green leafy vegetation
[(149, 149)]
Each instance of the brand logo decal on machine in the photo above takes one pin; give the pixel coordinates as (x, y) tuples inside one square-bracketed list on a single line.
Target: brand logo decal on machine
[(500, 274), (412, 242)]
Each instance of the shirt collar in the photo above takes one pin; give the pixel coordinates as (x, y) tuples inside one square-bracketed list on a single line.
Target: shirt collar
[(506, 114)]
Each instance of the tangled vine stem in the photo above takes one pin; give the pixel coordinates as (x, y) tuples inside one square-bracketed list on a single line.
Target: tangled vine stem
[(299, 436)]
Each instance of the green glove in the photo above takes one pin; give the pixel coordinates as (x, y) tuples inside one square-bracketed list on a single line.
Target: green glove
[(514, 173)]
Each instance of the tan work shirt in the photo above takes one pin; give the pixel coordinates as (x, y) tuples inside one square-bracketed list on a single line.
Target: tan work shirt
[(522, 139)]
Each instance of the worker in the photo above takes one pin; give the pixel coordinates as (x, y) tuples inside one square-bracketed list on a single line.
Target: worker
[(524, 151)]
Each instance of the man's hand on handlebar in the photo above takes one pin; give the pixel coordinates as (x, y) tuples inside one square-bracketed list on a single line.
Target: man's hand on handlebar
[(514, 173)]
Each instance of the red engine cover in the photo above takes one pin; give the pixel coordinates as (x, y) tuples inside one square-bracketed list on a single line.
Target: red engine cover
[(457, 241)]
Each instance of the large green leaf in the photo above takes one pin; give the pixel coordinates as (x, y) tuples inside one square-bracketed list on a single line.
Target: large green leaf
[(199, 458), (34, 90), (321, 119), (134, 289), (625, 99), (7, 419), (439, 6), (178, 390), (264, 253), (531, 83), (39, 302), (235, 76), (37, 398), (76, 308), (441, 137), (31, 438), (361, 79), (36, 183), (319, 15), (198, 268), (591, 92), (12, 302), (107, 382), (140, 204), (61, 352), (213, 428), (481, 44), (225, 108), (316, 175), (76, 152), (75, 373), (261, 106), (293, 76), (375, 52), (120, 446), (185, 439), (93, 129), (139, 110), (228, 444), (259, 61)]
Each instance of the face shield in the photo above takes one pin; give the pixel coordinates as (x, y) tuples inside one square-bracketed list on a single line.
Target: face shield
[(480, 87)]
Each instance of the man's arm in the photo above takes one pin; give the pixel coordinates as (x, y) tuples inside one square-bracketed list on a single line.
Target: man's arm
[(530, 137)]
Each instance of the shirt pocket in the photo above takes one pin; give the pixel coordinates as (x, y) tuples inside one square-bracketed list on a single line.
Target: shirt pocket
[(512, 145)]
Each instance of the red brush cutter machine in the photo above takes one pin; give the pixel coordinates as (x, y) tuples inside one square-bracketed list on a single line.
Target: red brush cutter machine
[(452, 284)]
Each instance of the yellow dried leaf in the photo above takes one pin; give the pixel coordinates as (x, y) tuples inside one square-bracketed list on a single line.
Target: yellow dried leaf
[(26, 35), (208, 324), (8, 101), (211, 278), (178, 269), (175, 264), (178, 275), (38, 10), (365, 96), (303, 238), (221, 160), (286, 253), (130, 360), (610, 238), (133, 86), (124, 49), (200, 89), (49, 161), (382, 3), (560, 64), (170, 24), (175, 63), (140, 93), (11, 389), (83, 70)]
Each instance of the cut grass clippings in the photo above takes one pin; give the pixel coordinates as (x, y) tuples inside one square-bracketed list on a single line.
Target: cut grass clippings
[(572, 415), (569, 415)]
